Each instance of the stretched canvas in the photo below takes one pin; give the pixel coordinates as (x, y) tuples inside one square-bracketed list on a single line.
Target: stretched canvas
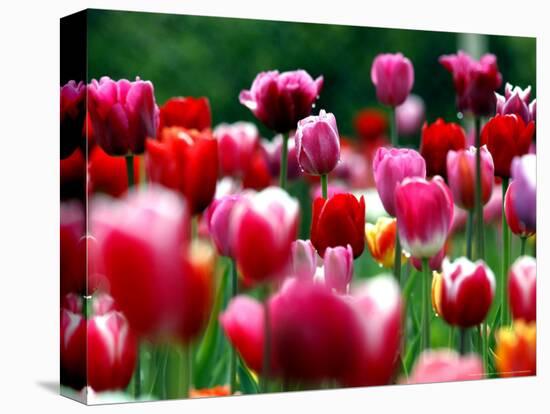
[(253, 206)]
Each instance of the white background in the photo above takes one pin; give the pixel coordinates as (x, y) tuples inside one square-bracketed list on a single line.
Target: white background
[(29, 105)]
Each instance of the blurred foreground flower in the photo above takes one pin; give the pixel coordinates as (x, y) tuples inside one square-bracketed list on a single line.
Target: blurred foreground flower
[(73, 115), (186, 112), (73, 349), (446, 365), (438, 139), (522, 289), (72, 248), (393, 78), (516, 350), (218, 391)]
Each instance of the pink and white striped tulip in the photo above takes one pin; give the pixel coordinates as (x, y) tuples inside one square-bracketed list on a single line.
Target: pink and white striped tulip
[(522, 289), (304, 259), (338, 267)]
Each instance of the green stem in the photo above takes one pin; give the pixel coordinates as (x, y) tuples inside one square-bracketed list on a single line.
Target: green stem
[(397, 259), (233, 366), (469, 233), (284, 162), (324, 185), (478, 200), (462, 345), (187, 370), (523, 244), (393, 128), (505, 255), (451, 337), (426, 304), (484, 346), (266, 360), (137, 374), (130, 170)]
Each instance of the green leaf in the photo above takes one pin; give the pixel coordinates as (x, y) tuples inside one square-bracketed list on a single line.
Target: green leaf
[(246, 381), (412, 353), (409, 285)]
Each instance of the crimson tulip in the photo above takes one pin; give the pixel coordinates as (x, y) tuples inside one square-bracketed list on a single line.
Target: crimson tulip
[(185, 112), (338, 221), (522, 289), (446, 365), (438, 139), (107, 174), (257, 176), (72, 176), (393, 78), (370, 124), (73, 115), (175, 159)]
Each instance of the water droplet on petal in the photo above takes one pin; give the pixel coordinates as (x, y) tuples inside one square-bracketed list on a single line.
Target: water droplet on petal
[(459, 115)]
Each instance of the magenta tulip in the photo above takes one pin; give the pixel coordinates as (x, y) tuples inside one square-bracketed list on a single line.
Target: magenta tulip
[(280, 100), (123, 114), (517, 226), (236, 145), (516, 101), (522, 289), (524, 172), (218, 216), (72, 116), (304, 259), (338, 267), (393, 78), (446, 365), (424, 211), (390, 167), (318, 143)]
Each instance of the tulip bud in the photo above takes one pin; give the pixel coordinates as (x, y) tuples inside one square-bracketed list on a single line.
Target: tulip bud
[(304, 259), (461, 176), (393, 78), (318, 143), (237, 144), (522, 289), (73, 115), (515, 101), (524, 172), (338, 221), (123, 114), (73, 349), (424, 211), (437, 140), (516, 350), (462, 294), (381, 240), (186, 112), (506, 137), (263, 227), (280, 100), (112, 352), (218, 216), (410, 115), (390, 167), (445, 365), (338, 266)]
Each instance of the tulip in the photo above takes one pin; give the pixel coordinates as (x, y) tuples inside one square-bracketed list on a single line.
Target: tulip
[(304, 259), (332, 189), (510, 200), (243, 324), (107, 174), (218, 216), (516, 350), (318, 144), (475, 81), (424, 211), (175, 159), (280, 100), (379, 305), (381, 240), (338, 221), (102, 304), (461, 176), (410, 115), (463, 292), (506, 136), (434, 263), (72, 250), (123, 114), (522, 289), (446, 365), (338, 267), (257, 175), (354, 169), (263, 227), (272, 153), (73, 349), (393, 78), (72, 177), (370, 124), (237, 144), (72, 302), (516, 101), (73, 115), (437, 140), (186, 112), (391, 166), (111, 351), (524, 172)]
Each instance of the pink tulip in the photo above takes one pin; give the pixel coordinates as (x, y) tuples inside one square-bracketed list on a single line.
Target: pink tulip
[(318, 143), (379, 305), (263, 227), (424, 211), (524, 172), (446, 365), (272, 153), (390, 167), (103, 304), (72, 116), (516, 101), (410, 115), (236, 145), (516, 225), (461, 176), (522, 289), (393, 78), (123, 114), (280, 100), (338, 267), (304, 259), (218, 216), (462, 294)]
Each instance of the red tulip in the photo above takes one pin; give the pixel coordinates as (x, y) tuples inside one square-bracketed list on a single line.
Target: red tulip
[(111, 351), (237, 144), (107, 174), (522, 289), (257, 175), (506, 137), (186, 112), (72, 249), (72, 174), (446, 365), (123, 114), (73, 114), (73, 349), (72, 302), (176, 160), (517, 226), (263, 227), (338, 221), (462, 294), (437, 140), (370, 124)]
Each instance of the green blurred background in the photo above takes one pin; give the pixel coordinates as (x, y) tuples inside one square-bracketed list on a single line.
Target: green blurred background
[(218, 57)]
